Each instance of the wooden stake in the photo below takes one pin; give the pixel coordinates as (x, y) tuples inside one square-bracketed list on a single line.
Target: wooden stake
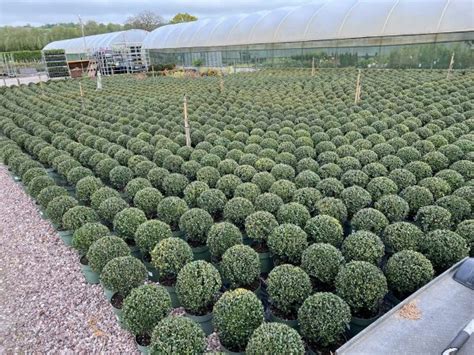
[(312, 67), (153, 71), (187, 130), (82, 95), (221, 83), (357, 90), (41, 84), (450, 69)]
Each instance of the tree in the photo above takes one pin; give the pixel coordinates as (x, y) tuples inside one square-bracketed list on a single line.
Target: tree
[(183, 17), (146, 20)]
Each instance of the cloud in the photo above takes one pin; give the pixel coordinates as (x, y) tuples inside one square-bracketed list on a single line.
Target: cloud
[(38, 12)]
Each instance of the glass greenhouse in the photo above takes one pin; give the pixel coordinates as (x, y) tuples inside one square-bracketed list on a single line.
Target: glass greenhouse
[(363, 33)]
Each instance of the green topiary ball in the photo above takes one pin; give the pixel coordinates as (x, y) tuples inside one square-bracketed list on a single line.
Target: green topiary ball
[(393, 207), (324, 229), (444, 248), (332, 207), (150, 233), (402, 235), (77, 216), (433, 217), (145, 307), (147, 200), (264, 180), (241, 266), (196, 286), (170, 210), (416, 197), (322, 262), (459, 207), (195, 223), (466, 230), (369, 219), (122, 274), (208, 175), (120, 176), (356, 198), (288, 286), (268, 202), (127, 221), (136, 185), (85, 236), (283, 188), (39, 183), (275, 338), (293, 213), (248, 191), (222, 236), (227, 184), (381, 186), (236, 315), (169, 256), (237, 210), (177, 335), (363, 246), (104, 250), (323, 318), (156, 177), (363, 286), (109, 208), (58, 207), (49, 193), (30, 174), (86, 187), (101, 195), (287, 242), (212, 201), (407, 271), (193, 191)]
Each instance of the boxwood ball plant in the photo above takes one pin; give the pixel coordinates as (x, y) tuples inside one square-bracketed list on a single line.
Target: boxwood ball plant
[(322, 263), (287, 242), (150, 233), (222, 236), (122, 274), (104, 250), (127, 221), (169, 256), (275, 338), (195, 223), (240, 266)]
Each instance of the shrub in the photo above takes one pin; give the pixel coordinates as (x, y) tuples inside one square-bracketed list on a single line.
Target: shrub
[(287, 242), (58, 207), (227, 166), (105, 249), (170, 255), (283, 171), (283, 188), (369, 219), (127, 221), (268, 202), (433, 217), (38, 183), (323, 318), (444, 248), (240, 266), (196, 223), (264, 180), (259, 225), (150, 233), (288, 286), (104, 167), (170, 210), (466, 230), (363, 246), (293, 213), (438, 187), (123, 273), (363, 286), (196, 286), (356, 198), (322, 262), (101, 195), (193, 191), (381, 186), (467, 193), (156, 177), (453, 178), (213, 201), (420, 169), (86, 187), (30, 174), (417, 197), (393, 207), (237, 210), (332, 207), (50, 193), (120, 176), (143, 168), (172, 163), (355, 177), (145, 307), (85, 236), (247, 190), (227, 184), (147, 200), (324, 229), (222, 236), (275, 338), (208, 175), (307, 196), (109, 208), (236, 315), (78, 173), (177, 335), (136, 185), (407, 271), (403, 178), (459, 207), (77, 216), (330, 187)]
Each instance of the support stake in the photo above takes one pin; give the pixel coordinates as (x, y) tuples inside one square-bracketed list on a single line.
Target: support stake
[(82, 95), (451, 64), (187, 130), (312, 67), (357, 89)]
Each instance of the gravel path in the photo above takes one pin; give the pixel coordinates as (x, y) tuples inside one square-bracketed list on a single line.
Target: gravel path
[(45, 304)]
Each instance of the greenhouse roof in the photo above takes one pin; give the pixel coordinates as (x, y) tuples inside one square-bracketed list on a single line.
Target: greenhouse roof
[(323, 20), (97, 42)]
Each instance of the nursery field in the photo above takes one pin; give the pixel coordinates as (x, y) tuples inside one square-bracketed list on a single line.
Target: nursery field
[(294, 219)]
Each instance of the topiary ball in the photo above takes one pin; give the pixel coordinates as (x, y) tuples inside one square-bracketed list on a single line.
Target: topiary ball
[(169, 256), (355, 198), (287, 242), (459, 207), (86, 187), (236, 315), (195, 223), (38, 183), (136, 185), (466, 230), (127, 221), (416, 197), (283, 188), (444, 248), (77, 216), (150, 233), (268, 202), (401, 236), (222, 236), (58, 207), (322, 262), (293, 213), (433, 217), (49, 193), (213, 201), (332, 207), (120, 176), (104, 250), (147, 200), (109, 208), (393, 207), (193, 191), (170, 210), (85, 236), (369, 219), (363, 246), (122, 274), (407, 271), (240, 266), (237, 210), (208, 175), (324, 229), (248, 191), (275, 338)]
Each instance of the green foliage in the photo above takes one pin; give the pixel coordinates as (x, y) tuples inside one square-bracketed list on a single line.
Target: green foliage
[(212, 201), (293, 213), (109, 208), (193, 191), (287, 242), (120, 176), (275, 338), (240, 266), (37, 184), (268, 202), (322, 262), (85, 236), (195, 223), (105, 249), (135, 185), (122, 274), (332, 207), (356, 198), (127, 221), (402, 235), (363, 246), (170, 255), (236, 315), (324, 229), (222, 236), (58, 207), (170, 210), (237, 210), (49, 193), (150, 233), (147, 200), (433, 217), (393, 207), (283, 188), (259, 225), (369, 219), (444, 248), (77, 216)]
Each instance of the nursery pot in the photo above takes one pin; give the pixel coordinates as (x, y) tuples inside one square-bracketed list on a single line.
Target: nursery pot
[(134, 249), (201, 253), (108, 293), (392, 299), (115, 300), (66, 237), (205, 322), (359, 324), (152, 271), (266, 262), (143, 349), (174, 297), (227, 351), (293, 323), (90, 276), (178, 234)]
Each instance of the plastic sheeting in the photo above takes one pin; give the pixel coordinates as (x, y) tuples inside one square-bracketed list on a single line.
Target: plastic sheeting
[(98, 42), (323, 20)]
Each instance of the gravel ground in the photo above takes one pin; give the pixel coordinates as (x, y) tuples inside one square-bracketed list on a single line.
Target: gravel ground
[(45, 304)]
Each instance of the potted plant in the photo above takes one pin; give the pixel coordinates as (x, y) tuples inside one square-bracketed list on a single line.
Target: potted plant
[(268, 202), (39, 183), (323, 319), (143, 309), (177, 335), (135, 185), (221, 237), (126, 223), (287, 243), (121, 275), (101, 195), (237, 210), (258, 226), (236, 315), (363, 286), (288, 286), (75, 218), (109, 208), (322, 262), (402, 235), (213, 201), (196, 286), (293, 213), (324, 229), (406, 272), (58, 207), (102, 251), (120, 176), (170, 210), (369, 219), (168, 257), (363, 246), (49, 193), (241, 268), (86, 187), (275, 338), (432, 217), (193, 191), (195, 224), (147, 200)]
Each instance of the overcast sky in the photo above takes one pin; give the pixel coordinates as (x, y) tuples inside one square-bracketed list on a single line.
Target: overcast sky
[(39, 12)]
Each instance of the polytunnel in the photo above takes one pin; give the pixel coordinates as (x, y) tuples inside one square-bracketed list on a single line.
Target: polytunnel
[(323, 29)]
